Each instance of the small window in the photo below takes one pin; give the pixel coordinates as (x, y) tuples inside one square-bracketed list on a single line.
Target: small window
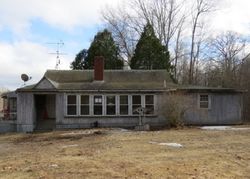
[(84, 105), (136, 103), (110, 105), (149, 104), (204, 101), (97, 105), (71, 105), (124, 105)]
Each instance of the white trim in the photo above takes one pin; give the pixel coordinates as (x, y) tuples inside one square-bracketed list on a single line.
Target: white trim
[(80, 105), (128, 104), (104, 106), (66, 104), (209, 101), (103, 110)]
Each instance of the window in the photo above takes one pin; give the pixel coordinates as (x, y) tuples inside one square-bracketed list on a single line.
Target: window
[(136, 103), (149, 104), (71, 105), (97, 105), (110, 105), (204, 101), (84, 105), (124, 105)]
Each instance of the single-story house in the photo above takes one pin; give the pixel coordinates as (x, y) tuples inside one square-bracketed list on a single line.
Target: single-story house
[(65, 99)]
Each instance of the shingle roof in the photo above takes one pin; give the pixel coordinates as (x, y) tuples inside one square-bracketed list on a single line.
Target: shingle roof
[(113, 80), (118, 80)]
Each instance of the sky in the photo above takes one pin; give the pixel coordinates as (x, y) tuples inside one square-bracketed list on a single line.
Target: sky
[(28, 29)]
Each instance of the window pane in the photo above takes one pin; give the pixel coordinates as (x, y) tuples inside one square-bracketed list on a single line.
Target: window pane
[(149, 99), (136, 99), (203, 104), (149, 109), (71, 110), (97, 110), (84, 99), (124, 99), (204, 101), (203, 97), (97, 99), (71, 99), (110, 110), (110, 100), (134, 108), (85, 110), (124, 110)]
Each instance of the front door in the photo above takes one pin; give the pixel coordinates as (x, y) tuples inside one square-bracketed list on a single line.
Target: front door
[(45, 111)]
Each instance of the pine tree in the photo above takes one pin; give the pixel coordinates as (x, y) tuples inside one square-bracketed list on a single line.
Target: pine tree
[(104, 45), (78, 63), (149, 52)]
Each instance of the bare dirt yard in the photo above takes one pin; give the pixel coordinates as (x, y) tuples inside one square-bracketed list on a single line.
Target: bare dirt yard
[(115, 153)]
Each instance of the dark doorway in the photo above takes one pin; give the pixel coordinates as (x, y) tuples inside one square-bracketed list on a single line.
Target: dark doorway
[(45, 112)]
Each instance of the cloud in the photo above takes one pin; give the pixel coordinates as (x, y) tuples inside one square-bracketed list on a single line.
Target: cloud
[(233, 15), (26, 57), (64, 14)]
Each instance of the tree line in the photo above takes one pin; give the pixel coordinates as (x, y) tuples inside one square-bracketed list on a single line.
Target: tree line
[(174, 35)]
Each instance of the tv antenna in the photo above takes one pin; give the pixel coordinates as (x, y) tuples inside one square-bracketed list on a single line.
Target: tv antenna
[(58, 44)]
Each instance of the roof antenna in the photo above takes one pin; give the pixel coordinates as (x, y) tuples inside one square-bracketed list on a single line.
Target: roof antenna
[(58, 44)]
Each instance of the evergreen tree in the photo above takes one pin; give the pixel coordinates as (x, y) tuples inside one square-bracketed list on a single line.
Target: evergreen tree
[(149, 52), (104, 45), (78, 63)]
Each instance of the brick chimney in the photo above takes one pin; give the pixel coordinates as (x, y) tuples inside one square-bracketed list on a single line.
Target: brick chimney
[(98, 68)]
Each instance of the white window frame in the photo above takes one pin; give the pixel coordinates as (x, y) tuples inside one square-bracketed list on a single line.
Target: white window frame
[(117, 104), (154, 102), (77, 104), (103, 103), (132, 104), (106, 112), (199, 101), (80, 105)]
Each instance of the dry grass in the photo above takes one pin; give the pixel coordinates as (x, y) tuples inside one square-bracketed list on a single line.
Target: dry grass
[(108, 153)]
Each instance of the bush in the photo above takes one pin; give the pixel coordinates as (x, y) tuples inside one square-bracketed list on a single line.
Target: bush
[(174, 107)]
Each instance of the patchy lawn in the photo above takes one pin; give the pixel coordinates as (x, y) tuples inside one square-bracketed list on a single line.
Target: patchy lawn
[(107, 153)]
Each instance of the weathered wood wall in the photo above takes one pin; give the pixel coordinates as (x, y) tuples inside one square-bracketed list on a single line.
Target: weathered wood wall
[(225, 109), (26, 114)]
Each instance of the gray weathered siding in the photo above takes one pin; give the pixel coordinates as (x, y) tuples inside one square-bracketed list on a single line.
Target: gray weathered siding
[(129, 121), (7, 126), (25, 112), (225, 109), (44, 84), (59, 108)]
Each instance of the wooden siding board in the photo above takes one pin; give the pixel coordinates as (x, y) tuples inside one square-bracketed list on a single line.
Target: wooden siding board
[(25, 112), (44, 84)]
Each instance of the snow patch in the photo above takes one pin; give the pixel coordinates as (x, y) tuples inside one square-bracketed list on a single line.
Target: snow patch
[(177, 145), (223, 128), (67, 146)]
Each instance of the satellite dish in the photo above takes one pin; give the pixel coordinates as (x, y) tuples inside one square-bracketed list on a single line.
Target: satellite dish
[(25, 78)]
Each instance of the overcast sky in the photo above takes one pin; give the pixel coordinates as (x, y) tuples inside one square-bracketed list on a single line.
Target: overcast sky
[(28, 26)]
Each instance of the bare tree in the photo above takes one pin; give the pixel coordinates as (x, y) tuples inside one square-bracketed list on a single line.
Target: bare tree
[(166, 16), (200, 8), (228, 54), (118, 22)]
